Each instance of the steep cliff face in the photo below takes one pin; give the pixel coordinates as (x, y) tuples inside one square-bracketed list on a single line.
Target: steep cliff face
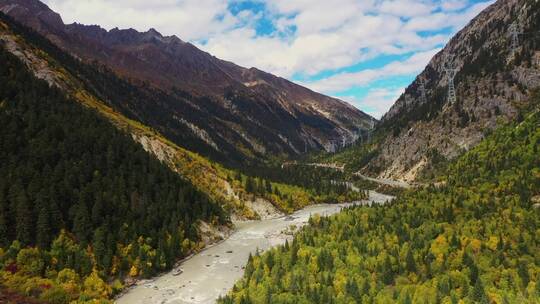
[(492, 80), (209, 105)]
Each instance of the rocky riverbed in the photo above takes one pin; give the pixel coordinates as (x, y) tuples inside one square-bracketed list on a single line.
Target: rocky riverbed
[(213, 272)]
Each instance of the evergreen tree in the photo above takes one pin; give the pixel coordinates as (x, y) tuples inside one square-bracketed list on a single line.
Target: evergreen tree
[(387, 272), (260, 186), (24, 219), (407, 299), (478, 294), (81, 223), (523, 272), (268, 186), (3, 221), (43, 227), (98, 243), (411, 264), (250, 186)]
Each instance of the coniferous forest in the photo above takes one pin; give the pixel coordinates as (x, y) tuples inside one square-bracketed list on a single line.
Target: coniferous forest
[(473, 240), (80, 202), (137, 168)]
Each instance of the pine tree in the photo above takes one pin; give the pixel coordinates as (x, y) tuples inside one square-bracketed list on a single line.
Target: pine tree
[(473, 269), (97, 211), (4, 241), (98, 244), (268, 187), (250, 185), (56, 217), (260, 186), (407, 299), (411, 264), (454, 241), (387, 272), (24, 219), (81, 223), (43, 227), (249, 267), (352, 289), (478, 294), (523, 272), (366, 287)]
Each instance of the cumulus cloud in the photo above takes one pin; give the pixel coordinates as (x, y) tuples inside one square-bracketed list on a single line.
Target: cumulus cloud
[(454, 5), (189, 19), (444, 19), (343, 81), (406, 8), (377, 101), (335, 34), (307, 38)]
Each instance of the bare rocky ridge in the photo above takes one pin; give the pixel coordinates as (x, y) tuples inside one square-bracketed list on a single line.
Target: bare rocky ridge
[(490, 85), (230, 111)]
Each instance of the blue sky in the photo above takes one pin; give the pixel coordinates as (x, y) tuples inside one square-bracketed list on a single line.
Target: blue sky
[(362, 51)]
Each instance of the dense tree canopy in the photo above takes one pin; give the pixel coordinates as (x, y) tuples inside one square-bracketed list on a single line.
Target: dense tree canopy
[(294, 186), (474, 239), (80, 200)]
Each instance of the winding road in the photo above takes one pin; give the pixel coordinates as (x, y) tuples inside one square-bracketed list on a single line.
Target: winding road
[(385, 181), (213, 272)]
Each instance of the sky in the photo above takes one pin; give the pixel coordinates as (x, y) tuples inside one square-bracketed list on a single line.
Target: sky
[(362, 51)]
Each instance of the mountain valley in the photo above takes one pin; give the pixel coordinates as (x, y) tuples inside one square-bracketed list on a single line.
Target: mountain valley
[(137, 168)]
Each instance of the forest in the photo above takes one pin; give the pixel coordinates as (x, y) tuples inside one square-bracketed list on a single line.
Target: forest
[(85, 210), (81, 204), (307, 184), (474, 239), (111, 90)]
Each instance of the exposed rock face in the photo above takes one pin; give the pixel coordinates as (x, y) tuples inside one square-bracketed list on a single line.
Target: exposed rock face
[(232, 111), (490, 85)]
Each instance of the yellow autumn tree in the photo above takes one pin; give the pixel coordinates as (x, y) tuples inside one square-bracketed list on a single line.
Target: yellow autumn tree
[(133, 272), (95, 287)]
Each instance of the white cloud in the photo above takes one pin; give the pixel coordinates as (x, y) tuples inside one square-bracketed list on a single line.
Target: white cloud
[(343, 81), (441, 20), (334, 34), (329, 34), (406, 8), (377, 101), (189, 19), (453, 5), (311, 36)]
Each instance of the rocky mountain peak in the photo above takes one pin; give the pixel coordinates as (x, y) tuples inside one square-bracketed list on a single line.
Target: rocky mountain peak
[(33, 12), (491, 80), (231, 109)]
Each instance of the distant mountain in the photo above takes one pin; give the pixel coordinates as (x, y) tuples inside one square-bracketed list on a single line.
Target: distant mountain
[(130, 108), (491, 85), (209, 105)]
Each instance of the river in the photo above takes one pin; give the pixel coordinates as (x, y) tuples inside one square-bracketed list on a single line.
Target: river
[(213, 272)]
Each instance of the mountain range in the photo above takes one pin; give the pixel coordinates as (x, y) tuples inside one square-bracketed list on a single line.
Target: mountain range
[(211, 106), (424, 129), (122, 153), (240, 116)]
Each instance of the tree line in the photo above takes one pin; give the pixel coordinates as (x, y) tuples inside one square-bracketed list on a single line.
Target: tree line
[(80, 202)]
